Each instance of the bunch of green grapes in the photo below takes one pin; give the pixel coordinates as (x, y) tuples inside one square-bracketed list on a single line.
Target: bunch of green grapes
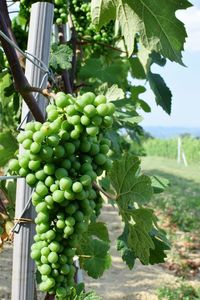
[(81, 14), (60, 12), (62, 159)]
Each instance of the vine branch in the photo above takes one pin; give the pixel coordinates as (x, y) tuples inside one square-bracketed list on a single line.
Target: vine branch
[(21, 82), (99, 188)]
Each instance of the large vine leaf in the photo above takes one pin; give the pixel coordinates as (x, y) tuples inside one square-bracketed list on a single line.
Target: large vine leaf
[(60, 56), (163, 95), (95, 258), (140, 241), (160, 30), (156, 23), (130, 187), (141, 238), (127, 254), (99, 230), (102, 12), (129, 23)]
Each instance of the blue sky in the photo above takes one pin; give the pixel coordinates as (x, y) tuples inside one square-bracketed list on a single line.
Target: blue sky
[(184, 82)]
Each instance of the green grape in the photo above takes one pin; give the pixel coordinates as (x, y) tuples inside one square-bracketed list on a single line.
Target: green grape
[(54, 246), (38, 137), (107, 121), (62, 100), (111, 108), (77, 187), (100, 99), (45, 251), (45, 269), (70, 221), (92, 130), (52, 115), (34, 165), (58, 196), (42, 217), (41, 189), (69, 148), (65, 183), (100, 159), (59, 151), (53, 140), (85, 120), (49, 169), (40, 175), (102, 109), (60, 173), (90, 110), (74, 120), (60, 224), (49, 181), (35, 254), (23, 162), (53, 257), (27, 143)]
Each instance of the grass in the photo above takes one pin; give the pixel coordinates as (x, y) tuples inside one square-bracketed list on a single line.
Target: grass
[(181, 200), (183, 291)]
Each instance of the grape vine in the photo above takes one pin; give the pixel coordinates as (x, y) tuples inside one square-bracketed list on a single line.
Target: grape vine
[(62, 159)]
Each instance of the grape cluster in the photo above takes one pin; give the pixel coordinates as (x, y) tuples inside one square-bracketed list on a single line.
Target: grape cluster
[(62, 159), (81, 15), (60, 12)]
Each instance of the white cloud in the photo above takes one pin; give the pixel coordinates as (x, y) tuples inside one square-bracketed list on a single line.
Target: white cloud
[(191, 19)]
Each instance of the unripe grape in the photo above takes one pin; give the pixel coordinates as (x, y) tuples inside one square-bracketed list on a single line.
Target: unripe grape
[(61, 99)]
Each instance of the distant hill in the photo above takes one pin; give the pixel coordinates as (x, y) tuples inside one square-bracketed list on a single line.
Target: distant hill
[(170, 132)]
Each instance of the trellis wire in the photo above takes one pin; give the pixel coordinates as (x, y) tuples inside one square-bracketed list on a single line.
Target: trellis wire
[(22, 213), (9, 177), (25, 54), (36, 97)]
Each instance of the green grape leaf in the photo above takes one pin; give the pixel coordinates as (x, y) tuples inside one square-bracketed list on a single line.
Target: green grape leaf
[(89, 296), (8, 146), (97, 69), (129, 23), (60, 56), (130, 187), (162, 92), (102, 12), (145, 106), (140, 241), (157, 25), (137, 70), (163, 95), (95, 258), (114, 93), (99, 230), (159, 184), (161, 244), (127, 254), (143, 217), (159, 28)]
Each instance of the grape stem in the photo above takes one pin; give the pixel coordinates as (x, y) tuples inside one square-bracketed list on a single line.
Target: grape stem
[(85, 41), (108, 195), (42, 91), (7, 20)]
